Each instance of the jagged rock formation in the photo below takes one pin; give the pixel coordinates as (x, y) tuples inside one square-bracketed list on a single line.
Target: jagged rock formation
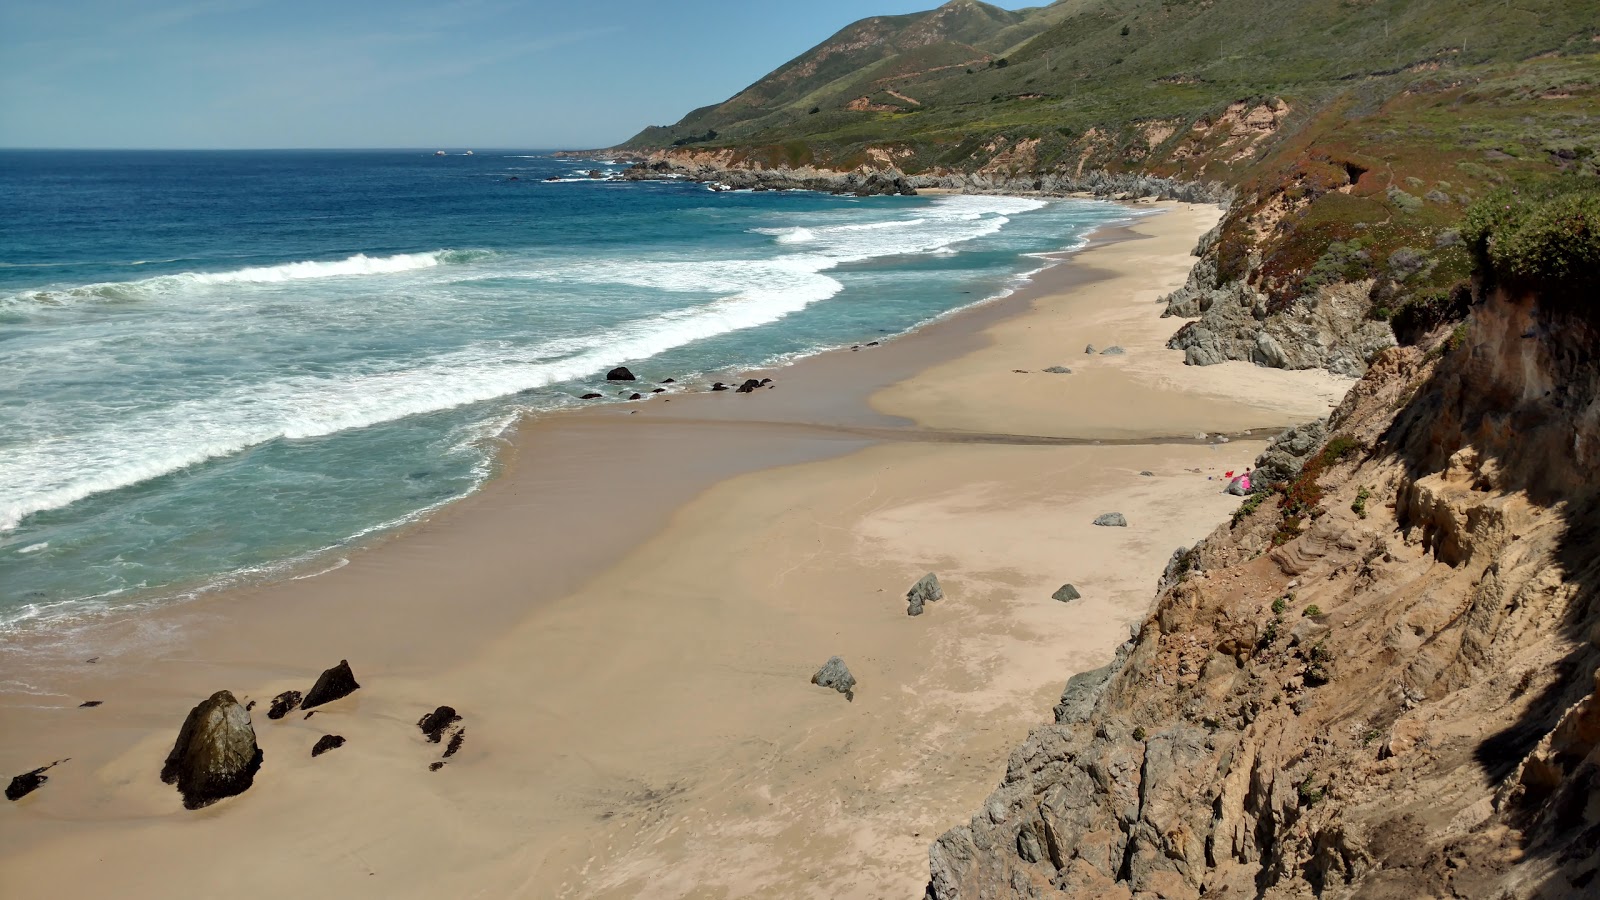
[(332, 684), (327, 742), (1383, 689), (1066, 594), (215, 755), (834, 674), (1327, 329), (925, 591), (1288, 452), (283, 704), (433, 724)]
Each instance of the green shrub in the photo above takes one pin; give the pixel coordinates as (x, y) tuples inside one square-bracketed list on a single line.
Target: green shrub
[(1312, 611), (1138, 733), (1359, 506), (1538, 239), (1310, 795), (1279, 605)]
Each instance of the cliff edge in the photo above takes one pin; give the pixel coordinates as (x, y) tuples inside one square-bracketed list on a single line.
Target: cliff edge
[(1379, 680)]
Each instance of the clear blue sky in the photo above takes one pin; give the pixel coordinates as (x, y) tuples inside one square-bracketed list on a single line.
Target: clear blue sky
[(386, 73)]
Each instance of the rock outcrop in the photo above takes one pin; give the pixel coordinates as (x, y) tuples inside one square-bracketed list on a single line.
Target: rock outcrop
[(834, 674), (332, 684), (925, 591), (28, 782), (215, 755), (1111, 520), (283, 704), (1066, 594), (433, 724), (1327, 328), (1378, 683)]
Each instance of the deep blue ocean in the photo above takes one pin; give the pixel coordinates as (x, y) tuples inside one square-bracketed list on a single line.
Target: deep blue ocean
[(215, 365)]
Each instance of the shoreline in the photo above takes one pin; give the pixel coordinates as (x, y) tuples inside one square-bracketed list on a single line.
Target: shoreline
[(313, 563), (538, 582)]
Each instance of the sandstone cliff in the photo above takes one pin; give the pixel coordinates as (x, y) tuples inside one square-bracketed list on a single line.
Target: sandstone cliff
[(1378, 683)]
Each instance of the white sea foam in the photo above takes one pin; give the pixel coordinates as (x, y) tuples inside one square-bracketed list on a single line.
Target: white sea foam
[(353, 266), (33, 548), (55, 471)]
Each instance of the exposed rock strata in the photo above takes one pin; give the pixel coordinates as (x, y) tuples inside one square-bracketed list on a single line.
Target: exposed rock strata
[(1394, 703)]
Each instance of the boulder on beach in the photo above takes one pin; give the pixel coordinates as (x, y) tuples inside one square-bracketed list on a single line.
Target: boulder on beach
[(434, 724), (1066, 594), (215, 755), (334, 683), (1114, 520), (834, 674), (925, 591), (456, 740), (327, 742), (749, 386), (635, 396), (718, 386), (1112, 351), (1236, 487), (1148, 474), (1059, 370), (1089, 350), (591, 396), (620, 373), (283, 704)]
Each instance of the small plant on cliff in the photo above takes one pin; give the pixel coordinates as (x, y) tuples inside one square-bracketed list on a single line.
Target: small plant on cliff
[(1310, 794), (1312, 611), (1138, 733), (1279, 605), (1359, 505), (1317, 661)]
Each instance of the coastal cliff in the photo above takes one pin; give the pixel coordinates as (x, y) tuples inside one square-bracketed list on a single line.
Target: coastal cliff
[(1379, 680)]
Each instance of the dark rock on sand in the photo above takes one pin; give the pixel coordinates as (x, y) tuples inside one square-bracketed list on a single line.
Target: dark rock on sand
[(749, 386), (926, 590), (635, 396), (1114, 520), (336, 682), (327, 742), (1066, 594), (620, 373), (718, 386), (90, 704), (1112, 351), (215, 755), (669, 381), (1148, 474), (834, 674), (456, 740), (1089, 350), (433, 724), (1059, 370), (659, 391), (434, 767), (28, 782), (591, 396), (283, 704)]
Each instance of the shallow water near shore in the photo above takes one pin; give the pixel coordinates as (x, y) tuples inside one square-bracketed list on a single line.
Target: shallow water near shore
[(225, 363)]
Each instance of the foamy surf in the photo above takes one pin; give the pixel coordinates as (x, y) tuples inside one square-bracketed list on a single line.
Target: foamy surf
[(353, 266)]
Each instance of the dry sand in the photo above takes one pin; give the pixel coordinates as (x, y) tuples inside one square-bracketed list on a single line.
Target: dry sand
[(629, 616)]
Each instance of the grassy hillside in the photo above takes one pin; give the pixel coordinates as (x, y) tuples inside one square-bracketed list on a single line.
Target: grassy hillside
[(934, 80)]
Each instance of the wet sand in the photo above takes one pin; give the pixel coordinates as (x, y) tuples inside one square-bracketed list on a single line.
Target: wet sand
[(629, 615)]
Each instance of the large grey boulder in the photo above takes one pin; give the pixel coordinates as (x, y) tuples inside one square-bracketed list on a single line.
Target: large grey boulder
[(1113, 351), (1066, 594), (926, 590), (215, 755), (1112, 520), (834, 674), (332, 684)]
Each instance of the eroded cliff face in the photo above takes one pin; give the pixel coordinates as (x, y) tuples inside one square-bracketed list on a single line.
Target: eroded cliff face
[(1378, 683)]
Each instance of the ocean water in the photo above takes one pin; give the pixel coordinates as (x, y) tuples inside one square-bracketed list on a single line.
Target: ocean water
[(216, 365)]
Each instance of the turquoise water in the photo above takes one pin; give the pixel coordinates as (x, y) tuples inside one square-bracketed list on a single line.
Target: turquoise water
[(214, 365)]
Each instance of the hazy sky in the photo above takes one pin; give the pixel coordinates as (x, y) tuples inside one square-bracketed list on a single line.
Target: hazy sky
[(395, 73)]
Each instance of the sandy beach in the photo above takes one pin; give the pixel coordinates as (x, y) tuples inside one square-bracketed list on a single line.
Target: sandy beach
[(627, 619)]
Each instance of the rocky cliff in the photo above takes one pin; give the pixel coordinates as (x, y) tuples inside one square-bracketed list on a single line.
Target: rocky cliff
[(1378, 681)]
